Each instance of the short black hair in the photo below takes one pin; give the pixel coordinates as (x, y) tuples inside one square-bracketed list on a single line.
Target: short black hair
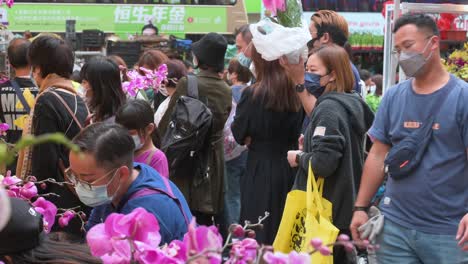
[(243, 73), (103, 75), (18, 52), (245, 33), (51, 55), (110, 144), (155, 28), (137, 114), (364, 75), (421, 21)]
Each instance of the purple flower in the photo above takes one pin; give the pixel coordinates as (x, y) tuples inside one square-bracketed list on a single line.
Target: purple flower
[(275, 258), (4, 128), (9, 3), (243, 252), (202, 238), (343, 238), (274, 5), (326, 251), (10, 180), (48, 211), (139, 230), (298, 258), (66, 218), (316, 243), (176, 250), (28, 191), (291, 258)]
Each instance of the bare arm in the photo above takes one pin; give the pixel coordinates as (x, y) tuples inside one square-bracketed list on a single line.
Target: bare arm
[(373, 173), (372, 178)]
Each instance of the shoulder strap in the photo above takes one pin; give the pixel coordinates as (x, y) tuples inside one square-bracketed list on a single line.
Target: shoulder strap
[(150, 191), (68, 109), (150, 156), (192, 86), (438, 105), (20, 95)]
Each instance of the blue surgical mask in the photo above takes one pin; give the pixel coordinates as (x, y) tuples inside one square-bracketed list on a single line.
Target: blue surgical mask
[(95, 196), (312, 84), (244, 60)]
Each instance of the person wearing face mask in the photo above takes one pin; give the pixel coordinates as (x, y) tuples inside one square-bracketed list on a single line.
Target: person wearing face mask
[(235, 155), (57, 109), (106, 178), (328, 27), (333, 140), (137, 117), (103, 88), (374, 97), (430, 203)]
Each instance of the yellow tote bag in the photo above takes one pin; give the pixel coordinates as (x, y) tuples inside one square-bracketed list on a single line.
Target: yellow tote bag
[(307, 215)]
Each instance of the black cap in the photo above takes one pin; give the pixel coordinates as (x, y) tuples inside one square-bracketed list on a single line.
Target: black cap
[(24, 229), (211, 50)]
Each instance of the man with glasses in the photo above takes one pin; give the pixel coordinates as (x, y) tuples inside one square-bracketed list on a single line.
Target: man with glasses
[(426, 210), (105, 178)]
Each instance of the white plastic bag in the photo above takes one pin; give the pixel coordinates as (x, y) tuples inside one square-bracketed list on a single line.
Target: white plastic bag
[(272, 41)]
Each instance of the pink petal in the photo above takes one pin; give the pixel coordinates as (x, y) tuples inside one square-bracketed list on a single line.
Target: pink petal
[(48, 211), (114, 259), (29, 190), (98, 241)]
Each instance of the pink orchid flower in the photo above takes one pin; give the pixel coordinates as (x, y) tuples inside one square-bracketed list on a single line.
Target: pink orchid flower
[(4, 128), (28, 191), (9, 3), (243, 251), (274, 5), (138, 230), (66, 218), (203, 238), (176, 250), (291, 258), (48, 211)]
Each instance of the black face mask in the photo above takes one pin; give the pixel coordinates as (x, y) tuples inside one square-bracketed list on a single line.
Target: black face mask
[(312, 84)]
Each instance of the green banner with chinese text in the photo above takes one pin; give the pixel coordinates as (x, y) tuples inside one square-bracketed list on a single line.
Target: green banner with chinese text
[(120, 19)]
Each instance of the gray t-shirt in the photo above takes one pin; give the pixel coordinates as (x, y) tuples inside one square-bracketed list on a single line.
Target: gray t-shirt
[(435, 197)]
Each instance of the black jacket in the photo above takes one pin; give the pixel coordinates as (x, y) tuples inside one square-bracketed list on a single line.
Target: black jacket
[(333, 143)]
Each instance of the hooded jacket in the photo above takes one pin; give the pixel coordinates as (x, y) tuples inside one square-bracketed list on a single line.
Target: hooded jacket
[(333, 143), (171, 220)]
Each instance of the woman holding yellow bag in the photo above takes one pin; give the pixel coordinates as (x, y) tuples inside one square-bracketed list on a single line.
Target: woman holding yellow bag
[(333, 141)]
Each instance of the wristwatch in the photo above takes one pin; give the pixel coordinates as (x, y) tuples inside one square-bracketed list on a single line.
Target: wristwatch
[(298, 156), (300, 87)]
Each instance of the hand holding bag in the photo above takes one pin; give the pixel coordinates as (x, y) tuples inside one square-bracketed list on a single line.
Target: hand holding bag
[(307, 215)]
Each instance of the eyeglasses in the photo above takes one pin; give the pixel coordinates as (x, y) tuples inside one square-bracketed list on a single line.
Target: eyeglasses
[(73, 179)]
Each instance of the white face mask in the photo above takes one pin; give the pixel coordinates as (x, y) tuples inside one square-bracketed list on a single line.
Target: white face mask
[(137, 141), (95, 196), (372, 89)]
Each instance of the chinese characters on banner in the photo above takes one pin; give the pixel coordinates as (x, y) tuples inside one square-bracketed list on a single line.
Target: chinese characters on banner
[(166, 18)]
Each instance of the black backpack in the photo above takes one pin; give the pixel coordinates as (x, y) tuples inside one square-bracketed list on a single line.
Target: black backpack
[(187, 136)]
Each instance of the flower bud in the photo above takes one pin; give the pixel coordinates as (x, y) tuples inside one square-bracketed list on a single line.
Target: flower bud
[(237, 230), (43, 186), (32, 179), (250, 233), (325, 251), (316, 243), (83, 216), (343, 238)]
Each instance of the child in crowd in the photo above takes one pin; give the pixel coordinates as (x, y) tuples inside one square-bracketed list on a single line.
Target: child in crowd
[(137, 117)]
